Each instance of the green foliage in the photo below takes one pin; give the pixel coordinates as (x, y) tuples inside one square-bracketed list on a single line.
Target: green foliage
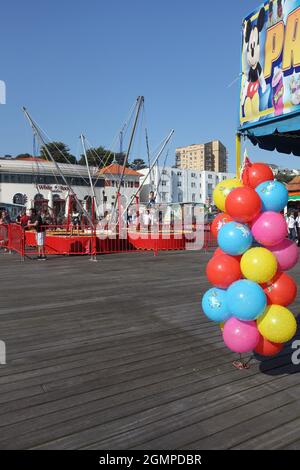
[(97, 156), (138, 164), (101, 157), (59, 151)]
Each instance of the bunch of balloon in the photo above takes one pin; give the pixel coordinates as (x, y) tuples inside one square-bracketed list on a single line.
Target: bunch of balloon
[(251, 290)]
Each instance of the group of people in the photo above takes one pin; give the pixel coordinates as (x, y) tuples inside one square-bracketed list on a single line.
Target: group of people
[(34, 220), (38, 221), (293, 223)]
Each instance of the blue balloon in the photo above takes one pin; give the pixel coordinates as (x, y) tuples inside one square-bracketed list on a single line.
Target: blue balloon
[(274, 196), (214, 305), (246, 300), (235, 238)]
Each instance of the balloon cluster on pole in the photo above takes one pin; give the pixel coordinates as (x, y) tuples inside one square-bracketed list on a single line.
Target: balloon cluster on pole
[(251, 291)]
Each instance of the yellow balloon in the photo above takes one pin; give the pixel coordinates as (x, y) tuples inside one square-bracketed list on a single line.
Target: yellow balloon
[(221, 325), (277, 324), (222, 190), (258, 265)]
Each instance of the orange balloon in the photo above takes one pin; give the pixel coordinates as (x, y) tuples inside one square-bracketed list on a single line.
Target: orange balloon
[(223, 270), (243, 204), (281, 290), (218, 251), (256, 174), (267, 348)]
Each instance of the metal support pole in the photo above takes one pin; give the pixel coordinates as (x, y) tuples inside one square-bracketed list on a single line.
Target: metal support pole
[(93, 211), (94, 200), (120, 221), (165, 143), (94, 246), (139, 103), (137, 213), (238, 154)]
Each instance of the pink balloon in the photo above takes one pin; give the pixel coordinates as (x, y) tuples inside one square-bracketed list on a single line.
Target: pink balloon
[(287, 254), (269, 228), (240, 336)]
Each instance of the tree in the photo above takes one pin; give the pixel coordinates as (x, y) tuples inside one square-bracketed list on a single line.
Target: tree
[(119, 158), (95, 156), (59, 151), (138, 164), (100, 156)]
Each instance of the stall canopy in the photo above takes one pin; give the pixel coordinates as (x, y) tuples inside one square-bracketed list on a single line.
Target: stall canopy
[(269, 111), (294, 189)]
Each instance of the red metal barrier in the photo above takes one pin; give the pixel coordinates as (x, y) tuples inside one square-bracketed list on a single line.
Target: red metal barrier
[(209, 240), (16, 238), (62, 240), (12, 238), (3, 236)]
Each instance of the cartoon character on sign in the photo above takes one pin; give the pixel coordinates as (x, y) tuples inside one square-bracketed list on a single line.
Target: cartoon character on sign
[(295, 89), (278, 91), (255, 80)]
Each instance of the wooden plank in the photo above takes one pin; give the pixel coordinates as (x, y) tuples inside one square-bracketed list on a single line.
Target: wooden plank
[(278, 438), (117, 355)]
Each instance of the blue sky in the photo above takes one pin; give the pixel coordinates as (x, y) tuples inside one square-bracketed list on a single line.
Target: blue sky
[(78, 66)]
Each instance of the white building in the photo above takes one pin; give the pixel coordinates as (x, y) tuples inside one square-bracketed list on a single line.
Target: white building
[(173, 185), (34, 182), (111, 175)]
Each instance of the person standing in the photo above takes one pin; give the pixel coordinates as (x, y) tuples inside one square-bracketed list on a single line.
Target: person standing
[(22, 219), (147, 220), (76, 219), (36, 222), (5, 217), (291, 223), (298, 227), (151, 201), (4, 221)]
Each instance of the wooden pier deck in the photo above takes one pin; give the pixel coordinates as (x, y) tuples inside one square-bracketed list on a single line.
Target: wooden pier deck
[(117, 355)]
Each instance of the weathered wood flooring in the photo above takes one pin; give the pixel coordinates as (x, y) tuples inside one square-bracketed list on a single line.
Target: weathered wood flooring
[(117, 355)]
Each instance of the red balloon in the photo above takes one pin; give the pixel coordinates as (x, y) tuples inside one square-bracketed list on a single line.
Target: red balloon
[(223, 270), (218, 251), (257, 173), (267, 348), (218, 222), (281, 290), (243, 204)]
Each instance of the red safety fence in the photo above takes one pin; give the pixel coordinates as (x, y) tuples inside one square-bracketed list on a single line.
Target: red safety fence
[(3, 236), (12, 238), (67, 240)]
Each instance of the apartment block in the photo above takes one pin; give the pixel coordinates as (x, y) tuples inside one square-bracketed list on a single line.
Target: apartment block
[(211, 156)]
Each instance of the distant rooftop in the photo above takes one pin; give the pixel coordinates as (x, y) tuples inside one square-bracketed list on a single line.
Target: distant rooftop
[(116, 169), (294, 185)]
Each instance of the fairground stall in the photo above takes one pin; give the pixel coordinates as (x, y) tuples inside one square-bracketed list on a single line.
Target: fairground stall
[(252, 291)]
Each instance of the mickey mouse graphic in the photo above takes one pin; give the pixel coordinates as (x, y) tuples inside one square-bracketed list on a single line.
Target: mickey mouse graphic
[(255, 79)]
